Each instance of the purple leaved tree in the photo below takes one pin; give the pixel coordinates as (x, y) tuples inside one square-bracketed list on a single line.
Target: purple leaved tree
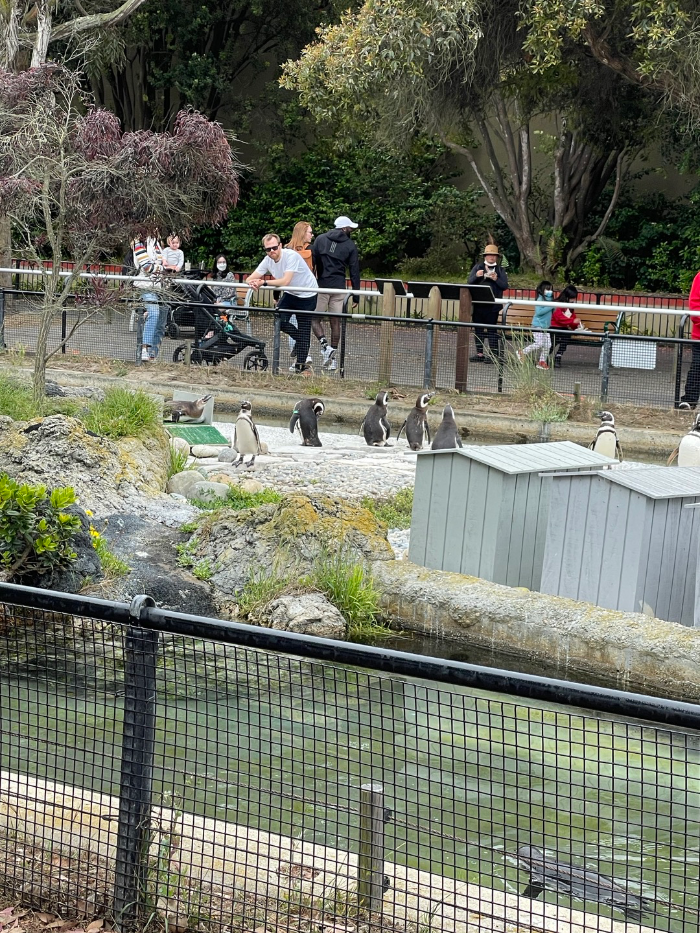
[(75, 187)]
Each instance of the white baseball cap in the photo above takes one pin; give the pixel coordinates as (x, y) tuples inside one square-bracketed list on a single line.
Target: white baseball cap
[(341, 222)]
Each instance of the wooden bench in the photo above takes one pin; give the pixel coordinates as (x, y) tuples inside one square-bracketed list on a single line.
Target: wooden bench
[(598, 320)]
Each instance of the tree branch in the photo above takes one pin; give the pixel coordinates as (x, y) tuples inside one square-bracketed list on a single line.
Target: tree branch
[(620, 171), (94, 21)]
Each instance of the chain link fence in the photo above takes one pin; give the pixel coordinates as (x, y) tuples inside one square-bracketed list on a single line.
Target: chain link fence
[(205, 775)]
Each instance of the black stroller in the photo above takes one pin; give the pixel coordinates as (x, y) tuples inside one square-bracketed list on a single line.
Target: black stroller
[(216, 336)]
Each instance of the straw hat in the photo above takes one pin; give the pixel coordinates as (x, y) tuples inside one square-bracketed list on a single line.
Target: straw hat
[(491, 250)]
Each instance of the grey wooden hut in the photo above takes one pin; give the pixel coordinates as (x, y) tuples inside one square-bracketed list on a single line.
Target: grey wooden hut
[(623, 539), (483, 510)]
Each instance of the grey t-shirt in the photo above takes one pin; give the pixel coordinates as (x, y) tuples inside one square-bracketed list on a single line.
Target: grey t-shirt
[(289, 259)]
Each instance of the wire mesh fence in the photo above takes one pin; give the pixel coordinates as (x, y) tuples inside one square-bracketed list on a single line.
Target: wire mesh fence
[(628, 365), (151, 772)]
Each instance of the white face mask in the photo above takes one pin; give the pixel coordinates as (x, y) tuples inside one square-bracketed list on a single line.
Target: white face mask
[(490, 265), (221, 266), (549, 294)]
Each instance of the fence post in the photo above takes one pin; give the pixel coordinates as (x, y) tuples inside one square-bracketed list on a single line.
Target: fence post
[(343, 336), (462, 358), (370, 863), (138, 739), (276, 331), (434, 312), (386, 333), (428, 364), (678, 374), (3, 345), (64, 329), (139, 336), (606, 358)]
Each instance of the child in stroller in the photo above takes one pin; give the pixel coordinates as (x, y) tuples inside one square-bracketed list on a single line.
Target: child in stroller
[(216, 336)]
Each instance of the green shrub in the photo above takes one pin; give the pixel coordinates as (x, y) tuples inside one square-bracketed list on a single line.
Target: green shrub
[(112, 566), (123, 413), (36, 531), (349, 587), (395, 511)]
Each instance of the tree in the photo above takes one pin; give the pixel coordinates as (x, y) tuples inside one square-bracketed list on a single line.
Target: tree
[(461, 71), (73, 185)]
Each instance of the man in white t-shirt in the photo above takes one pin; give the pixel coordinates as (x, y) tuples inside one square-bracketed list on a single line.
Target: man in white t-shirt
[(287, 267)]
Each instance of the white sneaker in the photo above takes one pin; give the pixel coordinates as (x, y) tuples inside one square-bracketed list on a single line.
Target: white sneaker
[(145, 354), (309, 359), (333, 364), (293, 368), (328, 357), (292, 347)]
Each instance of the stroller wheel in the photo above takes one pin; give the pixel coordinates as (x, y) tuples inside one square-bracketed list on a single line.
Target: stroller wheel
[(172, 330), (179, 354), (255, 360), (195, 356)]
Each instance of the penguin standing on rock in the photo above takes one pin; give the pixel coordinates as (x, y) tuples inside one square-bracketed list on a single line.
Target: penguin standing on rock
[(447, 437), (605, 441), (181, 409), (375, 426), (305, 417), (416, 424), (245, 436), (688, 451)]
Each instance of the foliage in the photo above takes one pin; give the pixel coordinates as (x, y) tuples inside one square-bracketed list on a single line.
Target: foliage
[(17, 401), (350, 588), (533, 385), (238, 499), (36, 530), (261, 588), (74, 185), (395, 199), (177, 461), (123, 413), (395, 511), (112, 566)]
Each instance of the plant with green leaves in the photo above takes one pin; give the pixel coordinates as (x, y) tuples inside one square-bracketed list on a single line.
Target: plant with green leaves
[(36, 528), (123, 413), (112, 566), (395, 511)]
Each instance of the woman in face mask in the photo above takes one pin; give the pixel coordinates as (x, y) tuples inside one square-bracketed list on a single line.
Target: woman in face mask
[(541, 321), (221, 272)]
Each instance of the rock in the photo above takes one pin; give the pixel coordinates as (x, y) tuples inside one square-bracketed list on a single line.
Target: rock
[(208, 492), (289, 534), (305, 613), (183, 482), (226, 478), (264, 449), (201, 451), (180, 445), (227, 455), (251, 485)]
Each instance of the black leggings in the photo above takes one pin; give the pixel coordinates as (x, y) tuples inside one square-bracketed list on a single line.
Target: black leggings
[(290, 304), (485, 314)]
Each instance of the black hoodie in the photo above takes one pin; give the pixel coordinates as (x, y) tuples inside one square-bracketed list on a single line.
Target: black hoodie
[(332, 252)]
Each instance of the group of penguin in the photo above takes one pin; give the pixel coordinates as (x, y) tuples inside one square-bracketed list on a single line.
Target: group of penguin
[(606, 442), (375, 427)]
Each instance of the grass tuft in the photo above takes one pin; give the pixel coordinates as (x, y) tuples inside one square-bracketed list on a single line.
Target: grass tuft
[(177, 461), (123, 413), (112, 566), (394, 511), (238, 499)]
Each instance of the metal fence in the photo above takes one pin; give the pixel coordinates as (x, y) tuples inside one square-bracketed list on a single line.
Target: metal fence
[(209, 775), (407, 351)]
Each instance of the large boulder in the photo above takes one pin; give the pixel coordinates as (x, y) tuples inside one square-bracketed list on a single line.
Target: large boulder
[(304, 613), (60, 451), (291, 534)]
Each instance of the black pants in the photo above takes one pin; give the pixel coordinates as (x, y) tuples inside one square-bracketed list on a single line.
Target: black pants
[(302, 332), (485, 314), (560, 341), (692, 381)]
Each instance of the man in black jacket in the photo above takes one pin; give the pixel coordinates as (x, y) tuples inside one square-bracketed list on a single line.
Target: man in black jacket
[(332, 253), (488, 272)]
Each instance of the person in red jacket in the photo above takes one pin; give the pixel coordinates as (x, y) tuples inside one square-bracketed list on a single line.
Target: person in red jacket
[(565, 320), (692, 381)]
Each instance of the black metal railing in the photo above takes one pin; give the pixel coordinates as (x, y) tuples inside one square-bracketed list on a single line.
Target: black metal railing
[(216, 776)]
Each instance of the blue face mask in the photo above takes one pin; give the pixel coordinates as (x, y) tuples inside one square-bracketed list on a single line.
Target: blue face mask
[(549, 294)]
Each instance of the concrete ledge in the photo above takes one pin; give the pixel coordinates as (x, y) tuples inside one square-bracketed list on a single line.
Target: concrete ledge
[(635, 650), (225, 861)]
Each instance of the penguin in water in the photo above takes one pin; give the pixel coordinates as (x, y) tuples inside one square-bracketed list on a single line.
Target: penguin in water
[(181, 409), (416, 424), (305, 417), (375, 425), (245, 436), (605, 441), (688, 451), (447, 437)]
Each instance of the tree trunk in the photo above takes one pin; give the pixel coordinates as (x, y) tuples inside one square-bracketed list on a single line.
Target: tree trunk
[(42, 342), (5, 251)]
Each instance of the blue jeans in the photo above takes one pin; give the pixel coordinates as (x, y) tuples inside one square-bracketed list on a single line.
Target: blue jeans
[(150, 328)]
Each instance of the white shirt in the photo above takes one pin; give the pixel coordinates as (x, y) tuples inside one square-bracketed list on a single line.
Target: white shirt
[(174, 257), (289, 259)]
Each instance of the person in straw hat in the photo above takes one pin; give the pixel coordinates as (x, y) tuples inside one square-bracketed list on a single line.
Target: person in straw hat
[(488, 272)]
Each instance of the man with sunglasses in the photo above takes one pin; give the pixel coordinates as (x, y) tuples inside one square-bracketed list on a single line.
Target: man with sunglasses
[(287, 267)]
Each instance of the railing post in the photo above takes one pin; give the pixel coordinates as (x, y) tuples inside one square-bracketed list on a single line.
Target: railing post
[(3, 345), (138, 740), (462, 357), (64, 330), (606, 359), (276, 332), (428, 363), (343, 335), (678, 374), (386, 334), (139, 335), (434, 312), (370, 863)]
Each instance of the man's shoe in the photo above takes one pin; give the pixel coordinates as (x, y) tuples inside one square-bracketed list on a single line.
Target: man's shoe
[(328, 356), (145, 354), (332, 365), (309, 360), (478, 358), (557, 361), (685, 406), (293, 368), (292, 348), (489, 360)]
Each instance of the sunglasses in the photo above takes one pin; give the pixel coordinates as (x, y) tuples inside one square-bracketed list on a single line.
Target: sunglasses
[(271, 249)]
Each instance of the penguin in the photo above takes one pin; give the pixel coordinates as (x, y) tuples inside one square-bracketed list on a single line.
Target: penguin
[(416, 425), (246, 439), (688, 451), (605, 441), (305, 417), (447, 437), (375, 425), (192, 410)]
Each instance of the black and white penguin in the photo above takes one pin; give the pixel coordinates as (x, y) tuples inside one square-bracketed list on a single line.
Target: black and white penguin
[(605, 442), (688, 451), (305, 417), (246, 440), (181, 409), (375, 425), (416, 424), (447, 437)]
